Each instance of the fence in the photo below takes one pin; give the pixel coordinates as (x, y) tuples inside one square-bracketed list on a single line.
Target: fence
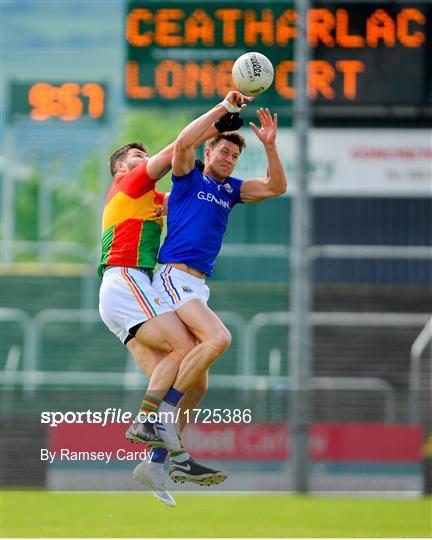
[(417, 349), (246, 333), (248, 359)]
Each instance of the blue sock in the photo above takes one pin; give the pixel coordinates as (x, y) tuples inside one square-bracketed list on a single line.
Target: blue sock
[(159, 455), (173, 396)]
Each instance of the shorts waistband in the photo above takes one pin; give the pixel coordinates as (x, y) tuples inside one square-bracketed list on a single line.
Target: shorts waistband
[(188, 269), (147, 271), (174, 270)]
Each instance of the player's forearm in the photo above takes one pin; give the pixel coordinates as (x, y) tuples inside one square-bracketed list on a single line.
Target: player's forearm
[(277, 181), (197, 131), (209, 134), (160, 164)]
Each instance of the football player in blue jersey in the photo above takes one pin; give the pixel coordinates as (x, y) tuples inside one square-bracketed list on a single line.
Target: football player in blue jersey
[(198, 210), (152, 474)]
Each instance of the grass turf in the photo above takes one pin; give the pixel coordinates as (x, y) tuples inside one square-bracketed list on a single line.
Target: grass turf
[(43, 514)]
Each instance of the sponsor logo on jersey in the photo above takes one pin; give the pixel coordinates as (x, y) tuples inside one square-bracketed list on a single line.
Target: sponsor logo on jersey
[(186, 289), (209, 197)]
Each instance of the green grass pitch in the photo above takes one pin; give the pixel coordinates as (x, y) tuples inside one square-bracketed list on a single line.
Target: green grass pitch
[(139, 515)]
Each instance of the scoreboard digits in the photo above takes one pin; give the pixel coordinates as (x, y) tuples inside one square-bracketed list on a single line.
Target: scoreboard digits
[(41, 101)]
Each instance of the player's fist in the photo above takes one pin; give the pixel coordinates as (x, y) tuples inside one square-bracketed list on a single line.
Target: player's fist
[(229, 122), (235, 101)]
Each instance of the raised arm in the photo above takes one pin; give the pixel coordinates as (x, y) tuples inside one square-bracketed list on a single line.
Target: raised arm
[(159, 164), (195, 133), (275, 183)]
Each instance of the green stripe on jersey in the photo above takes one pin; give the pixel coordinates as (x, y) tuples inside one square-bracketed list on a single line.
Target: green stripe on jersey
[(149, 243), (107, 240)]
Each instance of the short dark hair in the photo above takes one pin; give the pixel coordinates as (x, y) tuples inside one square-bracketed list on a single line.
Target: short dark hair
[(232, 136), (121, 153)]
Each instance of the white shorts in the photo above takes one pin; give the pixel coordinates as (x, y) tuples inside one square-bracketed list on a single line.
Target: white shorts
[(177, 287), (127, 298)]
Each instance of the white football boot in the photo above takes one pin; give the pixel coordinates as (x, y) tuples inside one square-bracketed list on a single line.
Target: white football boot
[(153, 476)]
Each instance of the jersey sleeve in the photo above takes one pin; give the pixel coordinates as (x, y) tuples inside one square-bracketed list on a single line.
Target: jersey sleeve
[(236, 184), (137, 182), (182, 183)]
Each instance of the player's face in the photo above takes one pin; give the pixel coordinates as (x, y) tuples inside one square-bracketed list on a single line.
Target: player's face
[(222, 159), (135, 157)]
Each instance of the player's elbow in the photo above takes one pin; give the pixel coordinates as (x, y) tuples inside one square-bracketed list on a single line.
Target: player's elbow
[(181, 145), (279, 188)]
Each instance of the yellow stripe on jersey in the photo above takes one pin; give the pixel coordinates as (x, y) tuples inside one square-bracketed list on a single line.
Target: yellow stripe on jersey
[(122, 207)]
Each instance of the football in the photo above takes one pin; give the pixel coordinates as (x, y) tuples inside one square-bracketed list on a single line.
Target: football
[(252, 73)]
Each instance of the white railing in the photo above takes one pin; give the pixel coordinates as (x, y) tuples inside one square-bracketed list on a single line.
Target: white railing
[(90, 282), (44, 249), (332, 251), (329, 384), (33, 375), (417, 349), (329, 251), (279, 251), (340, 319), (11, 315)]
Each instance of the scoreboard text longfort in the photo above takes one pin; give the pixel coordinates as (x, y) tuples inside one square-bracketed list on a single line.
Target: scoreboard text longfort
[(185, 52)]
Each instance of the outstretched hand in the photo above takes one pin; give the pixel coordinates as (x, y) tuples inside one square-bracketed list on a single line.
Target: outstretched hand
[(235, 101), (267, 132)]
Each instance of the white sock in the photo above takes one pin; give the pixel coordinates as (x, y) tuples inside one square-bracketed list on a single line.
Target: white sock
[(153, 464), (166, 426), (181, 457)]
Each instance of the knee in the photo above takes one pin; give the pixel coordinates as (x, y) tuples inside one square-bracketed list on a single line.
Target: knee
[(183, 346), (220, 341), (146, 359)]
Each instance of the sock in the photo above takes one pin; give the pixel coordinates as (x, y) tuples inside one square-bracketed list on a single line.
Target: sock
[(159, 455), (173, 396), (166, 425), (149, 405), (180, 455)]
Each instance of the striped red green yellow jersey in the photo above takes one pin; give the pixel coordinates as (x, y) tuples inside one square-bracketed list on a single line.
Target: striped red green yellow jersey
[(131, 222)]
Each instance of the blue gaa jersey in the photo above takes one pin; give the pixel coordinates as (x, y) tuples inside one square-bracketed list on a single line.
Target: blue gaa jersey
[(198, 210)]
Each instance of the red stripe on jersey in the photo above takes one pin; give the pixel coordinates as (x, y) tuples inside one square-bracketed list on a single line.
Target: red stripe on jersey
[(124, 247)]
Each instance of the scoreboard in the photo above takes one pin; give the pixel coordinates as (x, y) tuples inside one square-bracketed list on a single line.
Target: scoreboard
[(65, 101), (362, 52)]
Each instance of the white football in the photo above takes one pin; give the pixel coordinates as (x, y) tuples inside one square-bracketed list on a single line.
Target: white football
[(252, 73)]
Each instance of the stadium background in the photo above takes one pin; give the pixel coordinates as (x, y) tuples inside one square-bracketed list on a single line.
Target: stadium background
[(371, 208)]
